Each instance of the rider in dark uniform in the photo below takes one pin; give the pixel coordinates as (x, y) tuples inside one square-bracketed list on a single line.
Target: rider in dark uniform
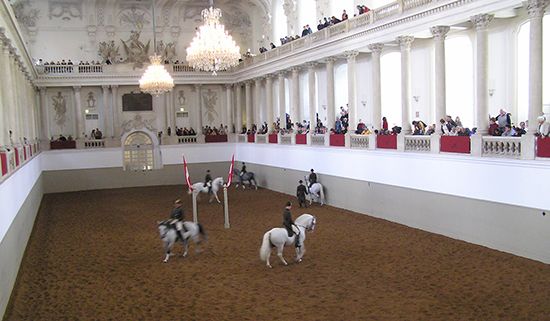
[(243, 170), (312, 178), (288, 222), (208, 181), (176, 218), (301, 192)]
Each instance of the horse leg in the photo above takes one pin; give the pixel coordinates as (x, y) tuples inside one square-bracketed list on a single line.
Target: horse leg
[(217, 199), (167, 247), (185, 247), (255, 185), (280, 254), (267, 261), (300, 252)]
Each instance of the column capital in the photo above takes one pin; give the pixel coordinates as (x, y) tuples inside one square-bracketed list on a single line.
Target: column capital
[(269, 76), (376, 47), (295, 69), (247, 83), (258, 80), (481, 21), (535, 8), (405, 42), (311, 65), (114, 86), (228, 86), (105, 87), (42, 89), (77, 89), (197, 87), (330, 59), (440, 32), (282, 73), (351, 54)]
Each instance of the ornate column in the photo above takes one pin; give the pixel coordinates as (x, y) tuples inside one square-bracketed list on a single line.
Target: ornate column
[(269, 100), (312, 101), (226, 116), (198, 130), (107, 121), (115, 111), (45, 115), (535, 9), (331, 104), (440, 33), (248, 104), (239, 109), (4, 91), (352, 88), (282, 100), (78, 113), (481, 22), (295, 101), (168, 103), (376, 49), (405, 46), (257, 102)]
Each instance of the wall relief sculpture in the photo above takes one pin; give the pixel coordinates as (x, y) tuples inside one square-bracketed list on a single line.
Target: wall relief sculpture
[(167, 51), (26, 15), (136, 51), (210, 99), (91, 101), (181, 98), (65, 9), (136, 124), (134, 17), (108, 51), (60, 108)]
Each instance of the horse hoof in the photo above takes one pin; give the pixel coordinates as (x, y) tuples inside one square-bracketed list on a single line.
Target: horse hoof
[(165, 261), (269, 266)]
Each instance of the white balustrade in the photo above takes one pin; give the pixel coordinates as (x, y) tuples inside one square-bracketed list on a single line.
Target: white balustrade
[(284, 49), (318, 140), (359, 141), (417, 143), (298, 43), (242, 138), (94, 143), (58, 69), (187, 139), (360, 21), (90, 68), (338, 28), (261, 138), (498, 146), (182, 68), (286, 139), (386, 11), (410, 4)]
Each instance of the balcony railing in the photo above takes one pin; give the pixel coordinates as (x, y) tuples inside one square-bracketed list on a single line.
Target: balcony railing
[(318, 140), (414, 143), (359, 141), (187, 139), (495, 146), (286, 139), (94, 143)]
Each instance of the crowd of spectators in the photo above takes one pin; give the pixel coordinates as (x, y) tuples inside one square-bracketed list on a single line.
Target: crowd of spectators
[(209, 131), (96, 134), (183, 131)]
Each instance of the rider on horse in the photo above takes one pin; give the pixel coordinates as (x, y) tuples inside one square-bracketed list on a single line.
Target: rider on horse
[(176, 218), (301, 192), (243, 170), (208, 181), (312, 178), (288, 222)]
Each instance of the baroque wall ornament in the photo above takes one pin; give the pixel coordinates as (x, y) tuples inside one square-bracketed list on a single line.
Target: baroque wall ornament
[(60, 108), (136, 51), (26, 15), (137, 123), (91, 101), (181, 98), (210, 99), (65, 9), (167, 51), (108, 51), (134, 17)]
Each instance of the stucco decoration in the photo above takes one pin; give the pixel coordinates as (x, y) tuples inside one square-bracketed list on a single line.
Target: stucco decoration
[(138, 123), (210, 100), (134, 17), (108, 50), (60, 108), (181, 98), (91, 101), (25, 14), (238, 22), (66, 9), (167, 51), (136, 51), (289, 7)]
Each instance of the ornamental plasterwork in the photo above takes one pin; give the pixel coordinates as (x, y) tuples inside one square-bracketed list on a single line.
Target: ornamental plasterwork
[(136, 51), (136, 124), (167, 51), (239, 23), (25, 14), (134, 17), (60, 108), (66, 10), (210, 99), (108, 50)]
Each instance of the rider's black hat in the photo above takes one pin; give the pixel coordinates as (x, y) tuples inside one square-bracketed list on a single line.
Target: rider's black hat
[(300, 181)]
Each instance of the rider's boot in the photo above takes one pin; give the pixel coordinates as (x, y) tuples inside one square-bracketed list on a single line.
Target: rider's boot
[(180, 234)]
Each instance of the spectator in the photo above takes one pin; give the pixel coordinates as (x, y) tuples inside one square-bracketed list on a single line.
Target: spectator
[(493, 127), (503, 119), (344, 15), (520, 131), (384, 124), (508, 131), (544, 127)]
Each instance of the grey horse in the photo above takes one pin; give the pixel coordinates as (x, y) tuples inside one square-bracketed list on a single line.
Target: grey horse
[(246, 177)]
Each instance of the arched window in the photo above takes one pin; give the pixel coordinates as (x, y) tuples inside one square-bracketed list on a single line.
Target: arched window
[(459, 78), (138, 152), (523, 69), (390, 81)]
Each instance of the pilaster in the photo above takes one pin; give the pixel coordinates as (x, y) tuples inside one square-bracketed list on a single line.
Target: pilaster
[(440, 33), (351, 57), (376, 49), (405, 46), (481, 23)]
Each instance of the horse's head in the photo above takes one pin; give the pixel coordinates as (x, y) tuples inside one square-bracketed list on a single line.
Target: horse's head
[(217, 181), (163, 228), (311, 226), (308, 221)]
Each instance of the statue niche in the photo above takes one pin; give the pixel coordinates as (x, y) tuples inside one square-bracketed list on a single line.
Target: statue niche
[(136, 51)]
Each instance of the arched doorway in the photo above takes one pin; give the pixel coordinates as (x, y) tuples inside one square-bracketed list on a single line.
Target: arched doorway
[(138, 152)]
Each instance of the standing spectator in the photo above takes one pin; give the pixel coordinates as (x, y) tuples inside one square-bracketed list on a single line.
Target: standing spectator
[(503, 119), (384, 124), (544, 127), (344, 15)]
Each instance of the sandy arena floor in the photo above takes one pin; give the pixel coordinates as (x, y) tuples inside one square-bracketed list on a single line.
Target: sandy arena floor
[(97, 256)]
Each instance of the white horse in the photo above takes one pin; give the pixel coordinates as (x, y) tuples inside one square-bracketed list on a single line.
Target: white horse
[(278, 238), (316, 192), (246, 177), (217, 183), (169, 235)]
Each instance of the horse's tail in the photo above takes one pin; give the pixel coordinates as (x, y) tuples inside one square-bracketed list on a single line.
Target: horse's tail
[(265, 249), (202, 231), (322, 193)]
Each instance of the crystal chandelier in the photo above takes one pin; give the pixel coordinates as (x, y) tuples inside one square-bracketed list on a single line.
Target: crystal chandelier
[(156, 80), (212, 49)]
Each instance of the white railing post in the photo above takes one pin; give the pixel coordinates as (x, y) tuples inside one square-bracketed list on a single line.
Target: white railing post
[(327, 139), (372, 141), (347, 140), (528, 143), (476, 142), (435, 141), (401, 142), (293, 139)]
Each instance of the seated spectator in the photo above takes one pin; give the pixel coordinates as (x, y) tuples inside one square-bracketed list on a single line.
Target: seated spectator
[(62, 138), (444, 128), (450, 122), (419, 127), (321, 25), (361, 127), (192, 131), (344, 15), (396, 130), (493, 127), (98, 134), (430, 130), (544, 127), (508, 131), (338, 127), (520, 130)]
